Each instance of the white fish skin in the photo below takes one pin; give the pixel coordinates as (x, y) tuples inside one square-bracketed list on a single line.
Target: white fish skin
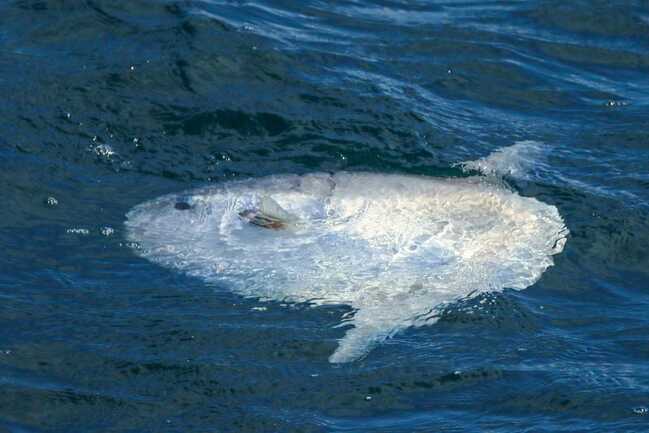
[(393, 247)]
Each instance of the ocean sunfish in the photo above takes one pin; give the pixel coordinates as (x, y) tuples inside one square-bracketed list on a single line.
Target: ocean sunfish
[(393, 247)]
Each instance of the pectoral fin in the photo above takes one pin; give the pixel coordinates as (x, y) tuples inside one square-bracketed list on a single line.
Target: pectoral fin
[(269, 215), (261, 219)]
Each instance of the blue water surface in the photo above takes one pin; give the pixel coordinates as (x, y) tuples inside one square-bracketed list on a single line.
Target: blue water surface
[(106, 104)]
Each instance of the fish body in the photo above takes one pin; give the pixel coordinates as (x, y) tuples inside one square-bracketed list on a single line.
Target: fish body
[(393, 247)]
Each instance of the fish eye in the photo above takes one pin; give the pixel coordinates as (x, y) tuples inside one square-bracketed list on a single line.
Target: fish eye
[(182, 205)]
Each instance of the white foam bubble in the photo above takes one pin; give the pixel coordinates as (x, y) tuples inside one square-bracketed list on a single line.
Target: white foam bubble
[(392, 247)]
